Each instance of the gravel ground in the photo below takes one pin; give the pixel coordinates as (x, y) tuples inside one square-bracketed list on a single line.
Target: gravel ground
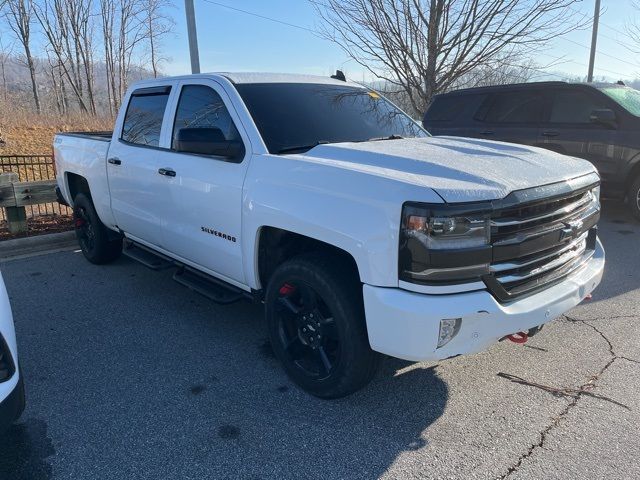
[(131, 376)]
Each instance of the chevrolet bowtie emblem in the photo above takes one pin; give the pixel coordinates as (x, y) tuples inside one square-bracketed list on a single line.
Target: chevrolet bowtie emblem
[(571, 229)]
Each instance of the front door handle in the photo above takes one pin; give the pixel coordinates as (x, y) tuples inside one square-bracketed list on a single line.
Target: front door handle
[(167, 172), (114, 161), (487, 132), (550, 133)]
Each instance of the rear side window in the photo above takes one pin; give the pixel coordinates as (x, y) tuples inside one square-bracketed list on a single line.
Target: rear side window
[(445, 109), (511, 107), (573, 107), (143, 120), (201, 107)]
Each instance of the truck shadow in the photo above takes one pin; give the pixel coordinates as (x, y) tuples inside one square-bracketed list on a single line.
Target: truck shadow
[(24, 450), (194, 392), (360, 436)]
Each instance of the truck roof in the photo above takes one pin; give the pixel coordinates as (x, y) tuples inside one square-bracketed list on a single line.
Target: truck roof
[(258, 77)]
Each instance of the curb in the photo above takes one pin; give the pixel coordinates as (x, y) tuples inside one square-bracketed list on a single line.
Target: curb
[(39, 243)]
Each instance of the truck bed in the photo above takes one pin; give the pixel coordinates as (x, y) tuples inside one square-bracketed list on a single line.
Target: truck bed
[(104, 136)]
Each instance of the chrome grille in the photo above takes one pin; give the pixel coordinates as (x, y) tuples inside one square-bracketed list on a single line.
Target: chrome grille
[(538, 244)]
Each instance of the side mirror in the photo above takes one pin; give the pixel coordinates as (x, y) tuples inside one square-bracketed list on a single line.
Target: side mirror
[(604, 116), (208, 141)]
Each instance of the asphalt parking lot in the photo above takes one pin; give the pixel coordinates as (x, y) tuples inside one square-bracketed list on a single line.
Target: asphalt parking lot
[(131, 376)]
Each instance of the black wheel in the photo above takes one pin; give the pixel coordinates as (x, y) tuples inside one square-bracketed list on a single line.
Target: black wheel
[(633, 197), (317, 327), (96, 241)]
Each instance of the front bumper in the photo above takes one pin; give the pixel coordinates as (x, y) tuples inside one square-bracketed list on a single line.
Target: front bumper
[(12, 405), (405, 324)]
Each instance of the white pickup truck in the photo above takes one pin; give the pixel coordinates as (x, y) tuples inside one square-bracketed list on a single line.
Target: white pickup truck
[(360, 232)]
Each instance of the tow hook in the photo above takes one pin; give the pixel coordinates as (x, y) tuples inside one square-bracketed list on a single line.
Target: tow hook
[(519, 337), (588, 297)]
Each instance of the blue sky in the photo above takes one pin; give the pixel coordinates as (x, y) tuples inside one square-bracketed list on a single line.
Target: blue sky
[(230, 40)]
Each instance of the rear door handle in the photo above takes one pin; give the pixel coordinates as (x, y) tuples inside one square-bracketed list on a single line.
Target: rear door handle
[(487, 132), (167, 172), (114, 161), (550, 133)]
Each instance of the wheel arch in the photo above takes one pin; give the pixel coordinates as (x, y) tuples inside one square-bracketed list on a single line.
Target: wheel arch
[(633, 172), (76, 184), (275, 245)]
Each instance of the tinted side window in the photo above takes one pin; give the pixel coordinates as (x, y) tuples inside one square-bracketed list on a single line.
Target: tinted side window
[(573, 107), (201, 107), (143, 120), (512, 107), (444, 109)]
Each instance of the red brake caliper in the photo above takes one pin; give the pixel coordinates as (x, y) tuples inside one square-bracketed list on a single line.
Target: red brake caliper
[(79, 222), (287, 289)]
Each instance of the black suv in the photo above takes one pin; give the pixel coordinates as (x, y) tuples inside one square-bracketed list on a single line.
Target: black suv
[(597, 122)]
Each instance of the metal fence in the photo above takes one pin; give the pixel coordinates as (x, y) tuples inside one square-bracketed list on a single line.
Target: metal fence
[(31, 168)]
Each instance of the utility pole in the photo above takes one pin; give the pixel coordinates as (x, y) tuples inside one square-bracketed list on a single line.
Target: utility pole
[(193, 36), (594, 40)]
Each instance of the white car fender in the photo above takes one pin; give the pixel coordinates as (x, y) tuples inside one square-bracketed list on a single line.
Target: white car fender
[(354, 211)]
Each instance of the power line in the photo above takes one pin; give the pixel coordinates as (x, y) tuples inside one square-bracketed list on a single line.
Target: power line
[(561, 60), (316, 33), (610, 28), (253, 14), (599, 51)]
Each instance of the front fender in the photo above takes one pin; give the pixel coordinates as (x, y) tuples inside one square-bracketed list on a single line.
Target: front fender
[(354, 211)]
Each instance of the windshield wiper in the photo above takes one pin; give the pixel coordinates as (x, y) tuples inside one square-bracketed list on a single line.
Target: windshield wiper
[(301, 148), (390, 137)]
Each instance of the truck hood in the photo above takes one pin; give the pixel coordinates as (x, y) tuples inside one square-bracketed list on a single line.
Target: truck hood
[(458, 169)]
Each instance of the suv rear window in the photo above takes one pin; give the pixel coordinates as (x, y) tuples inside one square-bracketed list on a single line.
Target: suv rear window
[(145, 112), (445, 109), (511, 107), (573, 107)]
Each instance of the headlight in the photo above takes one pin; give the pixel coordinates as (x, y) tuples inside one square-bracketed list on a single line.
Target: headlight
[(440, 244)]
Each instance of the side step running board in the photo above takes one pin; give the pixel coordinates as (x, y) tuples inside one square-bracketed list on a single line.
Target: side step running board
[(146, 257), (216, 290)]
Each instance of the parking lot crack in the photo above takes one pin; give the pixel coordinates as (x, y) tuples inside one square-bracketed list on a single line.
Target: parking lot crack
[(576, 394), (613, 317)]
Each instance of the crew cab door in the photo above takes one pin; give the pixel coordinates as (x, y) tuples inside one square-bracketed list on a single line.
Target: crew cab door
[(132, 165), (509, 116), (568, 128), (202, 211)]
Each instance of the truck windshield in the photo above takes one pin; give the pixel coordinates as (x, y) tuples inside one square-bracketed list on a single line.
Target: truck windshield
[(627, 97), (294, 117)]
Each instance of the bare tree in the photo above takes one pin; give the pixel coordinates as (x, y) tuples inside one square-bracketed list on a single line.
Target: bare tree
[(5, 54), (80, 25), (68, 26), (124, 30), (19, 17), (108, 15), (633, 28), (157, 25), (53, 18), (423, 47)]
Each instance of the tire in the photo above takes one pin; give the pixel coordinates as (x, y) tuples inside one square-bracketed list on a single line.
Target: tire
[(96, 241), (316, 323), (633, 197)]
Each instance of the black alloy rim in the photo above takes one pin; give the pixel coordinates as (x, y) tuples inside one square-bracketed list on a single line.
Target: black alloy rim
[(86, 234), (307, 331)]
